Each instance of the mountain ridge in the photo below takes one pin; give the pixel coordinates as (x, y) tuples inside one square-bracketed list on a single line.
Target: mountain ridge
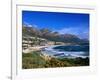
[(52, 36)]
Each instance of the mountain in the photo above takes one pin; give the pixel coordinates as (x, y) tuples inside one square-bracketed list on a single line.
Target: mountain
[(53, 36)]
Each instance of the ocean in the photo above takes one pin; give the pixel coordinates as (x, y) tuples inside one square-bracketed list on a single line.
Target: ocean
[(71, 51)]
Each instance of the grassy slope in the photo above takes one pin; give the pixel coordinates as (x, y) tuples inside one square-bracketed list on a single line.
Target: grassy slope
[(34, 60)]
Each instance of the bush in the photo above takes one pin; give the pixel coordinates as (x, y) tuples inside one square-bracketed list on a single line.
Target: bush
[(34, 60)]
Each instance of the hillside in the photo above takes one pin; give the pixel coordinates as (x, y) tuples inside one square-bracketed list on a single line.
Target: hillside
[(53, 36), (34, 60)]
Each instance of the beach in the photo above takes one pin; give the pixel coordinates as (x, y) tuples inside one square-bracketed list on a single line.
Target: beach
[(50, 51), (36, 48)]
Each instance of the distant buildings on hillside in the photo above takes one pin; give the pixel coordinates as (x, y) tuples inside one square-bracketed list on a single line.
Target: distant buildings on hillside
[(36, 41)]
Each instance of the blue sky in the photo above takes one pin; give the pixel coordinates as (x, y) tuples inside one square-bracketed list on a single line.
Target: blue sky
[(71, 23)]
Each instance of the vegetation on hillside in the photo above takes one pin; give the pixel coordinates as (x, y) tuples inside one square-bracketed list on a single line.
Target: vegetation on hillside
[(34, 60)]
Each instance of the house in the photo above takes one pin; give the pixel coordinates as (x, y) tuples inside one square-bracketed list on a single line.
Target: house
[(33, 41)]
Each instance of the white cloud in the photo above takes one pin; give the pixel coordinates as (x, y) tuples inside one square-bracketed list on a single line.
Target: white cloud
[(34, 25), (69, 31), (84, 34), (30, 25), (80, 32)]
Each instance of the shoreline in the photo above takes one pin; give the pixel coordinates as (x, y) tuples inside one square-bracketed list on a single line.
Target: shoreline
[(48, 51), (68, 54), (37, 48)]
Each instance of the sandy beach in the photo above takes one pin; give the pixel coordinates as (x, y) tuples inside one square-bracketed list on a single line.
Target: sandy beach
[(36, 48)]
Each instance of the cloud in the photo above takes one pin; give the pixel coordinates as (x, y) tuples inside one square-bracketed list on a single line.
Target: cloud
[(84, 34), (29, 25), (80, 32), (34, 25), (69, 30)]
